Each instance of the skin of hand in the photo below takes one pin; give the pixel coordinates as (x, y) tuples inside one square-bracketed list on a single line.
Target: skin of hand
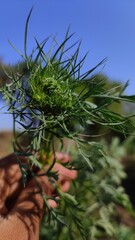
[(21, 209)]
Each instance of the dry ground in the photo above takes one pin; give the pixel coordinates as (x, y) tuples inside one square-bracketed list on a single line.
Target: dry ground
[(5, 143)]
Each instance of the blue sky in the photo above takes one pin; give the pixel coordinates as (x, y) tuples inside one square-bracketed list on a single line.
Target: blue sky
[(106, 28)]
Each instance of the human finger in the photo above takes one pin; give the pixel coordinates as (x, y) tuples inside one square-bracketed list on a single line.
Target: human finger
[(64, 172), (10, 179), (52, 203), (62, 157)]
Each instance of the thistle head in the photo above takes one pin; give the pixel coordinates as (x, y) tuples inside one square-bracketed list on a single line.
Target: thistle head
[(51, 91)]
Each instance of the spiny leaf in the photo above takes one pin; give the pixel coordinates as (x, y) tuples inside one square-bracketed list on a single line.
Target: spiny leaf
[(26, 34)]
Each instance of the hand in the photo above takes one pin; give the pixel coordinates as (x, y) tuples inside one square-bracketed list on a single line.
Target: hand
[(21, 209)]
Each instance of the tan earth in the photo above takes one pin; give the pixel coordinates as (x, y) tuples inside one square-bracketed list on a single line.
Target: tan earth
[(6, 138)]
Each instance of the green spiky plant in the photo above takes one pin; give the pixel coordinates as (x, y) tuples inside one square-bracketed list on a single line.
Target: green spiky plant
[(51, 102)]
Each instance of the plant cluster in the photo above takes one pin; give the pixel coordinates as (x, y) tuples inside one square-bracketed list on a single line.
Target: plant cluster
[(99, 193)]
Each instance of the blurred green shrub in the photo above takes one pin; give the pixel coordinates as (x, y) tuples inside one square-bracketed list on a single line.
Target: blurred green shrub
[(99, 192)]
